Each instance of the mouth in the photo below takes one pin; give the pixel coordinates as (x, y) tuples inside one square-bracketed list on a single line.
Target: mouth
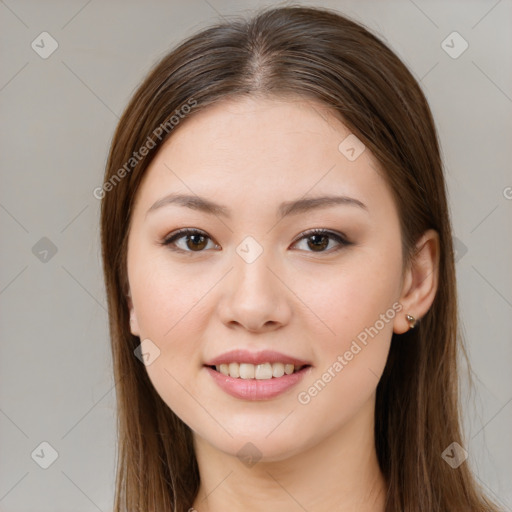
[(256, 375), (264, 371), (263, 381)]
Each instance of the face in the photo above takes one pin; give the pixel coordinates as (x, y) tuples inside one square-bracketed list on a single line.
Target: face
[(254, 277)]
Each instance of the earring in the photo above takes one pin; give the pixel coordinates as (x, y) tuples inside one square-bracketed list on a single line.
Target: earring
[(412, 321)]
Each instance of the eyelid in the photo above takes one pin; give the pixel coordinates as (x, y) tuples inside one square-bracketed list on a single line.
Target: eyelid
[(323, 231), (339, 237), (179, 233)]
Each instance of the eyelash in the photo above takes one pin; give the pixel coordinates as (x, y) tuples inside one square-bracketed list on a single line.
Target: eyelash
[(173, 237)]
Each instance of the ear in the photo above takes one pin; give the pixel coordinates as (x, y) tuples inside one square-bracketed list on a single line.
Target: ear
[(134, 324), (420, 281)]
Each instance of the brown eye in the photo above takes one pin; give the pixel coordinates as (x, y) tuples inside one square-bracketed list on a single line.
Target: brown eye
[(319, 239), (194, 240), (319, 242)]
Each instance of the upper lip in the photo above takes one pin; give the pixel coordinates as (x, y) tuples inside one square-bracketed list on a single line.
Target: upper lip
[(264, 356)]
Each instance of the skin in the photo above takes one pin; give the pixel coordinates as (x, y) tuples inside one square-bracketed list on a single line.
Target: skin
[(251, 154)]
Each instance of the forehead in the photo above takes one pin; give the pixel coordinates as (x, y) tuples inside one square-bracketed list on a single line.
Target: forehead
[(261, 148), (251, 124)]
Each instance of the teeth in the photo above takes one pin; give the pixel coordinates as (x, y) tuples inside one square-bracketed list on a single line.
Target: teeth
[(234, 370), (246, 371), (277, 370), (263, 371)]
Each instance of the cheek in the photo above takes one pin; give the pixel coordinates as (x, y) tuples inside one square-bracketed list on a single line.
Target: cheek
[(357, 307), (166, 296), (171, 298), (168, 307), (351, 298), (346, 376), (167, 304)]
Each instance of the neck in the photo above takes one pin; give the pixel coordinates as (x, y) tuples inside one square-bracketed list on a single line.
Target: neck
[(341, 472)]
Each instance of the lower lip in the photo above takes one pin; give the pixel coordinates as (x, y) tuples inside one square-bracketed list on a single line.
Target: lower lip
[(257, 389)]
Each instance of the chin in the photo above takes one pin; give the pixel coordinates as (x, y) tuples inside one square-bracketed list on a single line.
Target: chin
[(256, 444)]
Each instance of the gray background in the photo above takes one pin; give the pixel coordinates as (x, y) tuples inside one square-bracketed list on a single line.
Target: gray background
[(58, 117)]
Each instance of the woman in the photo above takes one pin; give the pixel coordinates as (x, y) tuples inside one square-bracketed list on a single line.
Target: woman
[(280, 276)]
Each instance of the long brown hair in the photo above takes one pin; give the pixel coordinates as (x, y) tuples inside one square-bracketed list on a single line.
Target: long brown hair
[(314, 53)]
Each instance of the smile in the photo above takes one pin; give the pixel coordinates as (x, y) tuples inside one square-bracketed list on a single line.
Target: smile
[(264, 371), (260, 386)]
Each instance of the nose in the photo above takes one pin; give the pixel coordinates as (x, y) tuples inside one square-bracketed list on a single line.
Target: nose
[(254, 296)]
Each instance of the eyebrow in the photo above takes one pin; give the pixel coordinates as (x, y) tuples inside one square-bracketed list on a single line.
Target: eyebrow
[(202, 204)]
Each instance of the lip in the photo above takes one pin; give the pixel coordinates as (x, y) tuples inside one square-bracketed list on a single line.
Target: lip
[(254, 389), (263, 356)]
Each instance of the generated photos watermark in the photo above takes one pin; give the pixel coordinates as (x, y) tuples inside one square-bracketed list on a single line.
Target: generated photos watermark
[(159, 132), (342, 360)]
